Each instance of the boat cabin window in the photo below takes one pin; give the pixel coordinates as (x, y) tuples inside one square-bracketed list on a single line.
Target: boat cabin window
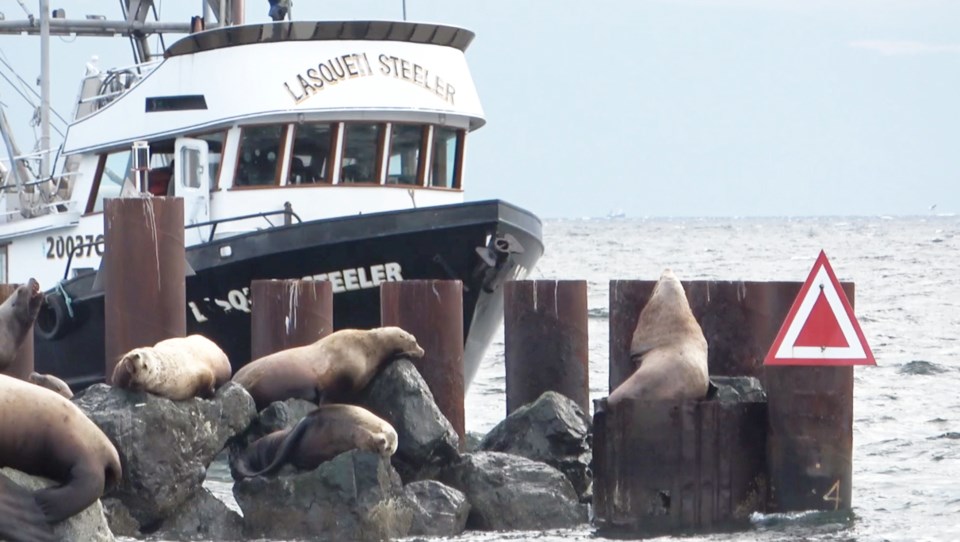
[(311, 154), (214, 154), (115, 168), (190, 161), (360, 158), (257, 164), (406, 141), (444, 168)]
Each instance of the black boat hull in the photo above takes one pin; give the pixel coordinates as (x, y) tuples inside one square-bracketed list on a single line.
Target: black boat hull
[(483, 244)]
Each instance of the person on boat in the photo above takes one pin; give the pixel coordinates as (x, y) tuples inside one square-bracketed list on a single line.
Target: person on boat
[(279, 9)]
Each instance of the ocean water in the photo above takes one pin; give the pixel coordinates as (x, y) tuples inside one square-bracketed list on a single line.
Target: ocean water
[(906, 458)]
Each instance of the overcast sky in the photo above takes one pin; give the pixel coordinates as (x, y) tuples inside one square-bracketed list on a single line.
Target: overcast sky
[(666, 108)]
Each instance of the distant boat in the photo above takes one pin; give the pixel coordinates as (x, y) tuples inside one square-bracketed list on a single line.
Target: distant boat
[(616, 213)]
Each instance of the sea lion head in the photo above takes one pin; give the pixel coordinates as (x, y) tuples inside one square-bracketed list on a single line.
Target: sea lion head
[(27, 301), (403, 342), (386, 444), (134, 369)]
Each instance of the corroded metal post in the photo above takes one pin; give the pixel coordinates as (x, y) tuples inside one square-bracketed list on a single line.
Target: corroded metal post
[(545, 341), (144, 274), (289, 313), (671, 466), (22, 365), (432, 310), (810, 409)]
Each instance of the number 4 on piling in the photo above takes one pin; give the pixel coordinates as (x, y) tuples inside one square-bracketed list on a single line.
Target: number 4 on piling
[(833, 495)]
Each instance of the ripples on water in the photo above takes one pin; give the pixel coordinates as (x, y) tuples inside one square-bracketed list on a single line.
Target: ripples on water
[(906, 410)]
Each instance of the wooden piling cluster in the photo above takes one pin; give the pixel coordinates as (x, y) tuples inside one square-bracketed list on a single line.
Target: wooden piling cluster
[(659, 467)]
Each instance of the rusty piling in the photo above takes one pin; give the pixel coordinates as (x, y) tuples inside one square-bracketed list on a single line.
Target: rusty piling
[(144, 274), (809, 417), (289, 313), (432, 310), (545, 341), (22, 364)]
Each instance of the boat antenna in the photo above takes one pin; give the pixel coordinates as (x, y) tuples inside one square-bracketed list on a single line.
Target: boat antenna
[(404, 9), (44, 88)]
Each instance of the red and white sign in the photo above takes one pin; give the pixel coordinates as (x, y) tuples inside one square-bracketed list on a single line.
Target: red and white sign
[(820, 328)]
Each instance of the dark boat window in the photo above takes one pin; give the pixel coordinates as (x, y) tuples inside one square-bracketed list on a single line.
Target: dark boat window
[(116, 169), (360, 158), (257, 160), (444, 170), (311, 154), (403, 167)]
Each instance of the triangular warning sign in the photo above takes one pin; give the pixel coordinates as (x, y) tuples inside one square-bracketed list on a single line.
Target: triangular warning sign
[(820, 328)]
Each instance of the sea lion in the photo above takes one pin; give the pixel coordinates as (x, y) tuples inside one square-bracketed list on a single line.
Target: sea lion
[(332, 369), (21, 519), (668, 347), (17, 315), (178, 368), (46, 435), (52, 383), (320, 436)]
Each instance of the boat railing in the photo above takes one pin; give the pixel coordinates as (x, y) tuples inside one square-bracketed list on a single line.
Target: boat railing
[(287, 212)]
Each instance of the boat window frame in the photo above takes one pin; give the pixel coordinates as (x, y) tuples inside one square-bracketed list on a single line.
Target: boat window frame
[(215, 185), (281, 153), (461, 139), (380, 159), (328, 166), (423, 156), (5, 267)]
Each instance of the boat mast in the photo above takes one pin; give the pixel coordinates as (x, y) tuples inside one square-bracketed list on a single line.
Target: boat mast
[(44, 89)]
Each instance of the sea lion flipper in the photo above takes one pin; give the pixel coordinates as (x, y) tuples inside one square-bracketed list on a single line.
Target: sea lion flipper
[(291, 440), (83, 488), (21, 519)]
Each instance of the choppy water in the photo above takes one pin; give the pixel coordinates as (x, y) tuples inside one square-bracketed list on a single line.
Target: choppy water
[(906, 410)]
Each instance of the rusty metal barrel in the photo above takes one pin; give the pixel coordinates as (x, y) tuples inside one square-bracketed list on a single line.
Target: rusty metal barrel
[(810, 409), (545, 341), (144, 277), (288, 313), (22, 364), (432, 310), (671, 466)]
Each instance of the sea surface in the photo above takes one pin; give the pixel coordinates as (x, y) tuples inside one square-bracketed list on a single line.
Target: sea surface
[(906, 457)]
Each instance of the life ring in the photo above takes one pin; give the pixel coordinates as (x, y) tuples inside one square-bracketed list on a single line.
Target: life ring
[(53, 320)]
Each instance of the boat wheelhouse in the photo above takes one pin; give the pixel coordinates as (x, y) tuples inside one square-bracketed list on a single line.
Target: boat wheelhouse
[(324, 150)]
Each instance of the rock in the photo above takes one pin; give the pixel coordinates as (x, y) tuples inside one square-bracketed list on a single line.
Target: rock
[(509, 492), (203, 517), (473, 440), (119, 519), (438, 510), (553, 429), (426, 439), (354, 496), (737, 389), (165, 446), (88, 525)]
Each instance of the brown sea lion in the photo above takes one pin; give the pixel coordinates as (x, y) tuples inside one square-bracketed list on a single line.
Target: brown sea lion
[(17, 315), (178, 368), (332, 369), (668, 347), (44, 434), (320, 436), (52, 383), (21, 519)]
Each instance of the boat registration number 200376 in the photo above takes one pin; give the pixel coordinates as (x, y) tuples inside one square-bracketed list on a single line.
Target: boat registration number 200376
[(61, 246)]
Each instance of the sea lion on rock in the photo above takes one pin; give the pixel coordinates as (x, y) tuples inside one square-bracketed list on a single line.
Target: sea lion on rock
[(52, 383), (320, 436), (17, 315), (44, 434), (668, 347), (333, 368), (178, 368)]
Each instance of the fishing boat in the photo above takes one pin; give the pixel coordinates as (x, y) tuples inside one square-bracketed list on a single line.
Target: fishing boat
[(324, 150)]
